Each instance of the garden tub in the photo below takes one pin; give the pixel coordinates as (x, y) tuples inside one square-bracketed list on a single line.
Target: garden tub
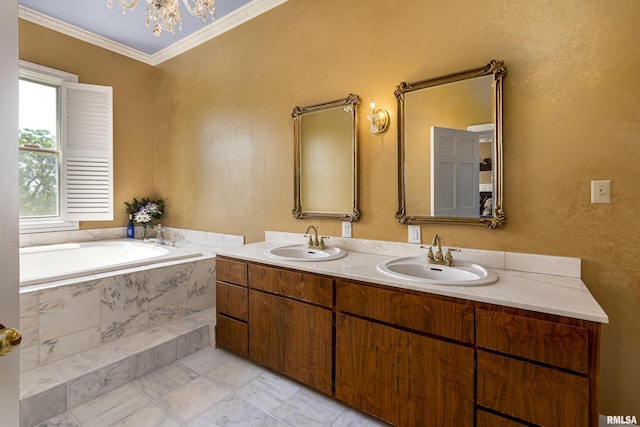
[(51, 263)]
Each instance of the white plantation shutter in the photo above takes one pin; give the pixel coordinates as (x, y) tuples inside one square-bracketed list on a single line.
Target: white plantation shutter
[(87, 152)]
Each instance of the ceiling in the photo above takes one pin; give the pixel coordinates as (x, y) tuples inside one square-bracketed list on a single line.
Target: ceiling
[(94, 22)]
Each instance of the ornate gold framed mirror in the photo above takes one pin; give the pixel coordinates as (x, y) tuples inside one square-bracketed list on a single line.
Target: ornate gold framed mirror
[(450, 148), (326, 160)]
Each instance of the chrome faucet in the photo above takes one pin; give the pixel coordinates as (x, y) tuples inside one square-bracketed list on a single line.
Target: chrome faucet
[(160, 239), (159, 232), (314, 243), (438, 257)]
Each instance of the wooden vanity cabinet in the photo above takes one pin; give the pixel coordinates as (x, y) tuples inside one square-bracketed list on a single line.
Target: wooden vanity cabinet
[(291, 324), (232, 306), (396, 357), (537, 368), (408, 357)]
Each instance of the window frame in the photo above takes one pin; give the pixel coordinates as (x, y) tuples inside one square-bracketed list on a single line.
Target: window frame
[(52, 77), (85, 142)]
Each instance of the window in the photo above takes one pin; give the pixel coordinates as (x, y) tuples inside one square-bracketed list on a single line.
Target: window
[(65, 150)]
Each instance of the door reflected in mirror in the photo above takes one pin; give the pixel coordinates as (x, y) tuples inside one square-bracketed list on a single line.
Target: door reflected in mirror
[(326, 160), (450, 148)]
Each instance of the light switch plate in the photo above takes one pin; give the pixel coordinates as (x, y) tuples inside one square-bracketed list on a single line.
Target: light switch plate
[(414, 234), (346, 229), (601, 191)]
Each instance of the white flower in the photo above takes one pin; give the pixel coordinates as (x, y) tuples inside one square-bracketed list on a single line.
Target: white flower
[(142, 216), (153, 209)]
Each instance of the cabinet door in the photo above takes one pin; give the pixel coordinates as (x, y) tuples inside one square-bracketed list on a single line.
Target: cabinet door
[(232, 335), (401, 377), (291, 337)]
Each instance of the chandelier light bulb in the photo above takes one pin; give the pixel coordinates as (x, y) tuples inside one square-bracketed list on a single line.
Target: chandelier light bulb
[(166, 13)]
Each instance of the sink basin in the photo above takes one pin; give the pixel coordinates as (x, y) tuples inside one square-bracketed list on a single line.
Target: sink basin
[(416, 269), (304, 253)]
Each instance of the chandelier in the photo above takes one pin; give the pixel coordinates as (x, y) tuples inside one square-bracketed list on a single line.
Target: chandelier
[(166, 13)]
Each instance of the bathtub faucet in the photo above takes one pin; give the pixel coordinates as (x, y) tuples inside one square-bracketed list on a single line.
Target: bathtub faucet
[(160, 239)]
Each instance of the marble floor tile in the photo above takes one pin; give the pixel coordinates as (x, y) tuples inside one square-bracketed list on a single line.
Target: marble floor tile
[(272, 422), (88, 361), (229, 412), (207, 359), (309, 408), (38, 407), (353, 418), (150, 416), (193, 398), (193, 341), (235, 373), (268, 391), (40, 379), (111, 407), (63, 420), (178, 396), (139, 342), (153, 358), (88, 387), (188, 324), (164, 380)]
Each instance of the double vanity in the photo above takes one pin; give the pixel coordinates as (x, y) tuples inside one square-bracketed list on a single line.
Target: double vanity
[(413, 343)]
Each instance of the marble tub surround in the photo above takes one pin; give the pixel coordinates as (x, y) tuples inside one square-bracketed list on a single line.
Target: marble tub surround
[(53, 388), (70, 316), (532, 287), (182, 237)]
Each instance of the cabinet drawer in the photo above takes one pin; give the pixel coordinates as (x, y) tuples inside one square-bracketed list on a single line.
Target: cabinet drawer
[(532, 393), (232, 335), (418, 312), (292, 284), (553, 343), (231, 271), (232, 300), (487, 419)]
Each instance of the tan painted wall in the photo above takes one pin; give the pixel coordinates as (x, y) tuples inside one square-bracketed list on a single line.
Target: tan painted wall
[(132, 83), (224, 138), (225, 144)]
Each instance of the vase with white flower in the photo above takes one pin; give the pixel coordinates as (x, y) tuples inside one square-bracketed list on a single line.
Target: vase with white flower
[(144, 212)]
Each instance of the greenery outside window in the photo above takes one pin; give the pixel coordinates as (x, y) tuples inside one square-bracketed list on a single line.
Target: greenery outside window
[(65, 158)]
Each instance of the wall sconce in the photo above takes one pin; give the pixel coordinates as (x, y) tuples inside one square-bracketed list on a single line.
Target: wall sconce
[(379, 119)]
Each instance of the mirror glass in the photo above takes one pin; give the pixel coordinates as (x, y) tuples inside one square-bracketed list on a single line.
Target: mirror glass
[(450, 148), (326, 160)]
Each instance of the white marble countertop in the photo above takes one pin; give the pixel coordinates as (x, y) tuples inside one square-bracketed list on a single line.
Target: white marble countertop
[(544, 293)]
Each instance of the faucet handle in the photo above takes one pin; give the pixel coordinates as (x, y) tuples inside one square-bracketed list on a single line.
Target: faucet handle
[(430, 255), (310, 240), (448, 258)]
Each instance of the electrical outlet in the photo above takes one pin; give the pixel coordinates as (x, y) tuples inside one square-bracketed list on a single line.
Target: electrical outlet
[(601, 191), (346, 229), (414, 234)]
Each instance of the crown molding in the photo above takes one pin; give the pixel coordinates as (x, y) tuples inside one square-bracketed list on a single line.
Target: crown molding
[(80, 34), (216, 28)]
